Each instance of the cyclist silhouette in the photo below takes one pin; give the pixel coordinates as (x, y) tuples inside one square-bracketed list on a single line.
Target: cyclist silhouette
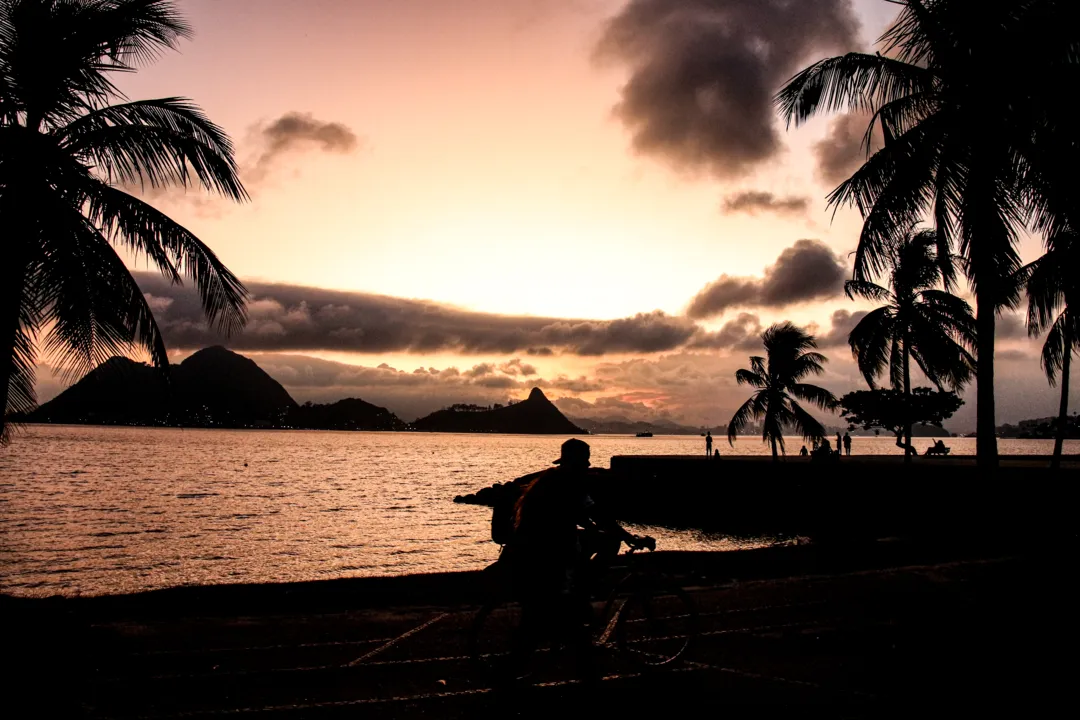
[(561, 537)]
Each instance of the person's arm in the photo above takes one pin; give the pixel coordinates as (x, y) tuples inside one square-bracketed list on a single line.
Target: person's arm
[(601, 520)]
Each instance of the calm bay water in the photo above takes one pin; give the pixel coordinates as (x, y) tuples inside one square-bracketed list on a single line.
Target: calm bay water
[(95, 510)]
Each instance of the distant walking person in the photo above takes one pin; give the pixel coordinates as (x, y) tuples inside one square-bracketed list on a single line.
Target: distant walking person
[(847, 443), (708, 443), (839, 444)]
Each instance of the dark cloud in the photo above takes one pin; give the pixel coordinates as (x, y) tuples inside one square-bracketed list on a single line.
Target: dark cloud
[(808, 270), (704, 73), (296, 130), (742, 333), (842, 152), (753, 202), (516, 367), (295, 318), (1011, 326), (841, 325)]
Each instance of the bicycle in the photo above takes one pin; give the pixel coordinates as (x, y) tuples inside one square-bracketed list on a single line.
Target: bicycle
[(646, 619)]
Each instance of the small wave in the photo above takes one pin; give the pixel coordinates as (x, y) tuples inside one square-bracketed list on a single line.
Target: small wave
[(191, 496)]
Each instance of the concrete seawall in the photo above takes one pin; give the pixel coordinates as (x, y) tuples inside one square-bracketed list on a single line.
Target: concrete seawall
[(861, 496)]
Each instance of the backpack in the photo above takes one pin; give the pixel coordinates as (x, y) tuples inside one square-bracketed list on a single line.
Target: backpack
[(503, 505)]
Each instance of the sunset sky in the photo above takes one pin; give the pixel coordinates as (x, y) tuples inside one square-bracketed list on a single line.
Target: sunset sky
[(455, 200)]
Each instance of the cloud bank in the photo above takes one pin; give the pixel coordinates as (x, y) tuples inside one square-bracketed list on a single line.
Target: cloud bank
[(703, 73), (294, 318)]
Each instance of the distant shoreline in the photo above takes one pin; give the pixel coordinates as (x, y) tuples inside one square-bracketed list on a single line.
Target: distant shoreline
[(414, 431)]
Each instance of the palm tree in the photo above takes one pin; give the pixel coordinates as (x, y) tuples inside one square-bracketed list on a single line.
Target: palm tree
[(69, 141), (789, 359), (1052, 287), (963, 93), (917, 321)]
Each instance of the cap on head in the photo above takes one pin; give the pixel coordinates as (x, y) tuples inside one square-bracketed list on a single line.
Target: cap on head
[(575, 453)]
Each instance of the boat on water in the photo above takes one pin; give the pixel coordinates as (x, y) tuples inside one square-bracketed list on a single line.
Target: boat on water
[(644, 434)]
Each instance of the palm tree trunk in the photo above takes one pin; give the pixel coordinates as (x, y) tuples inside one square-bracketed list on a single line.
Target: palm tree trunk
[(985, 419), (775, 456), (1063, 409), (907, 400)]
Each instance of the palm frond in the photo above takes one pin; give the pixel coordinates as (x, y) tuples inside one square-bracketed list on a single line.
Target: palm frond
[(84, 41), (811, 363), (806, 424), (944, 360), (20, 372), (748, 377), (855, 82), (1053, 350), (869, 341), (158, 143), (1046, 286), (92, 302), (752, 409), (892, 191), (174, 249), (815, 395), (867, 290), (949, 316)]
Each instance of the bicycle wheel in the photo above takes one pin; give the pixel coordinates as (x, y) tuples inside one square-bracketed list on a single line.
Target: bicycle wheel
[(655, 626), (491, 639)]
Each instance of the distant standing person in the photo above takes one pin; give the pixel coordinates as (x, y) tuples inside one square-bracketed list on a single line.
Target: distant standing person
[(839, 444), (847, 443), (708, 443)]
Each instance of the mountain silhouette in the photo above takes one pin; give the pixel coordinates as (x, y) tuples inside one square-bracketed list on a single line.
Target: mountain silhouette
[(536, 415), (214, 387), (624, 426), (347, 414)]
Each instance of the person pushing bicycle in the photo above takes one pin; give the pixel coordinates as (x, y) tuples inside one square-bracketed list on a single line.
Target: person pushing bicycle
[(561, 538)]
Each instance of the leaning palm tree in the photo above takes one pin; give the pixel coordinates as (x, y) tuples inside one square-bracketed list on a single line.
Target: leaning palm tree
[(961, 91), (1052, 288), (69, 143), (778, 377), (918, 321)]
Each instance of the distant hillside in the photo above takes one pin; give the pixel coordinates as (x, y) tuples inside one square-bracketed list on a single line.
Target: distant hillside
[(212, 388), (1045, 428), (624, 426), (536, 415), (347, 414), (119, 391)]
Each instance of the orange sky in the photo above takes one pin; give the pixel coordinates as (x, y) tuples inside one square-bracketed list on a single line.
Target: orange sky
[(475, 159)]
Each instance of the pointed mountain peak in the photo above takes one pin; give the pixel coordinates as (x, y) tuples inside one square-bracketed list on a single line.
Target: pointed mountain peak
[(537, 395)]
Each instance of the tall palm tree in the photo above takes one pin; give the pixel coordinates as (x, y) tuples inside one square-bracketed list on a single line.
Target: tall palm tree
[(962, 90), (69, 143), (1052, 288), (778, 377), (917, 321)]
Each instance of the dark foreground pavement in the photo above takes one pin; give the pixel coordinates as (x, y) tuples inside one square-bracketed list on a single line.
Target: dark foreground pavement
[(995, 631)]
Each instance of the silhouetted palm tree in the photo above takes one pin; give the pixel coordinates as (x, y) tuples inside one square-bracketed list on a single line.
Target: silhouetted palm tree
[(917, 321), (962, 92), (64, 150), (789, 359), (1053, 287)]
